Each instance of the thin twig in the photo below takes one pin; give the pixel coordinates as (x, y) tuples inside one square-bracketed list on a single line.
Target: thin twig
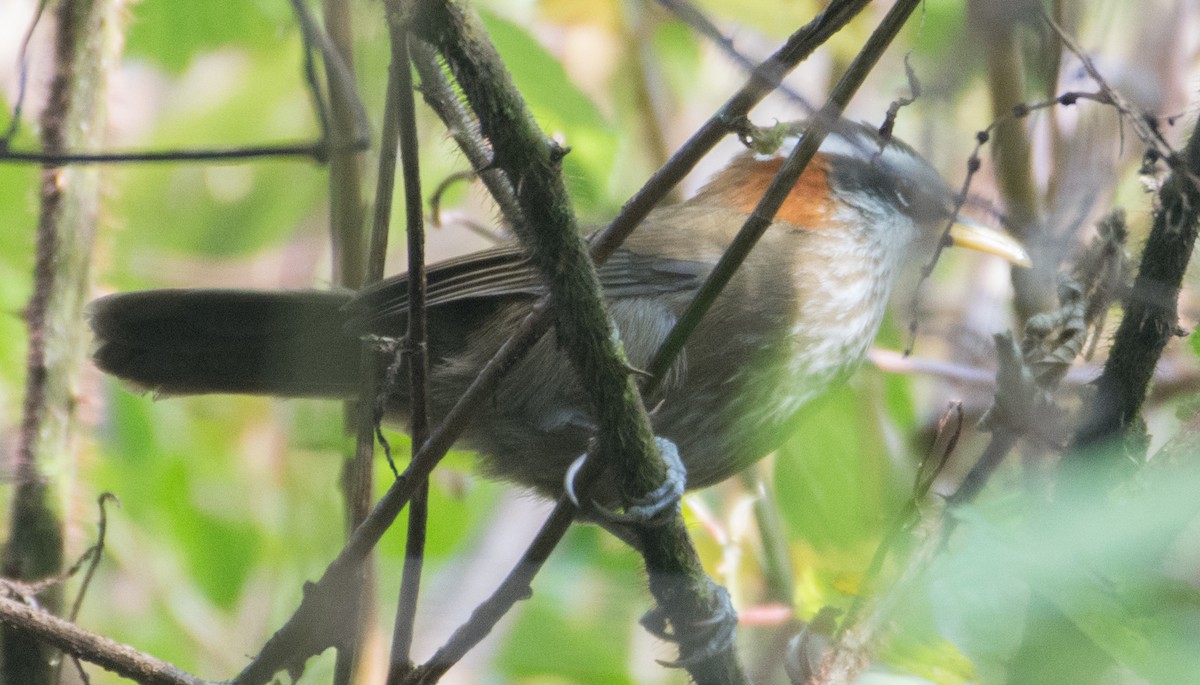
[(949, 430), (86, 44), (376, 389), (515, 587), (1142, 124), (440, 95), (14, 124), (974, 164), (781, 185), (691, 15), (416, 348), (765, 79), (319, 150), (93, 555), (295, 641), (341, 83)]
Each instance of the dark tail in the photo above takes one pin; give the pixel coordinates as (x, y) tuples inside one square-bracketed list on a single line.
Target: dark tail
[(291, 344)]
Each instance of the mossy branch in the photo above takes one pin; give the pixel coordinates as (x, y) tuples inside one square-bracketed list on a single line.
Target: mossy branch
[(1151, 309), (87, 43)]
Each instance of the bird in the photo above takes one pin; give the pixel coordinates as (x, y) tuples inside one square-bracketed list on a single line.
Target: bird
[(795, 321)]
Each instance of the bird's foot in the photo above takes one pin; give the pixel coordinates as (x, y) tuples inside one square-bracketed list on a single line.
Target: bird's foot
[(698, 640), (653, 508)]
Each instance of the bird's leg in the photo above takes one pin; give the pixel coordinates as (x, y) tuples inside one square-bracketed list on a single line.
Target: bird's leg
[(655, 507), (700, 639)]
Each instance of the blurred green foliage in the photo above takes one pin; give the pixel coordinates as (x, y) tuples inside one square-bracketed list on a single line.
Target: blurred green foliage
[(171, 33), (230, 504)]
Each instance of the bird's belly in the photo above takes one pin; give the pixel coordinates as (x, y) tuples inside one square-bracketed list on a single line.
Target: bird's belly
[(724, 422)]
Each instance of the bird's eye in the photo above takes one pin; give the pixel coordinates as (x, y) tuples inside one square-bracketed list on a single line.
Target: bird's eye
[(906, 192)]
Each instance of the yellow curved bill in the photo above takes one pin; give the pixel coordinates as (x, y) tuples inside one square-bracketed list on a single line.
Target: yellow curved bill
[(965, 233)]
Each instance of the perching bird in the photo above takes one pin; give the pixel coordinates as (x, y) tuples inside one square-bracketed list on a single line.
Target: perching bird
[(795, 321)]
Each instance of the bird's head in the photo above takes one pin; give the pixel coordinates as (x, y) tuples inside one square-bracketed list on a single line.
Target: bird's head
[(881, 192)]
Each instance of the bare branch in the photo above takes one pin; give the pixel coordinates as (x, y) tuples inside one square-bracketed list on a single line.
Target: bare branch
[(70, 638)]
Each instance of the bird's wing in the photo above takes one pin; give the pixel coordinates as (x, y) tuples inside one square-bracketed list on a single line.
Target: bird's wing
[(504, 272)]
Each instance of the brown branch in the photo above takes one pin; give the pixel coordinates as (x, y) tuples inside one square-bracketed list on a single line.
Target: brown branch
[(299, 638), (625, 441), (532, 162), (1150, 319), (346, 224), (108, 654), (86, 42), (415, 348)]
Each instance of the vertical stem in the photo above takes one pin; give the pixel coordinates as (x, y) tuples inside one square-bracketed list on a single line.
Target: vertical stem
[(346, 222), (345, 167), (416, 348), (1033, 288), (647, 86), (1151, 316), (87, 39)]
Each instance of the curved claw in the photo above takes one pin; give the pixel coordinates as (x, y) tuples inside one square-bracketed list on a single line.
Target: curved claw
[(655, 506), (569, 479), (706, 638)]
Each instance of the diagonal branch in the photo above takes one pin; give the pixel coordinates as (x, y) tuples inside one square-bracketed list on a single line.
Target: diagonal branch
[(784, 180), (582, 325), (298, 638), (70, 638)]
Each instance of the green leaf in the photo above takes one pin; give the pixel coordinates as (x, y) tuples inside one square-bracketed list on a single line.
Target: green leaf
[(1092, 564), (934, 35), (1055, 651)]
